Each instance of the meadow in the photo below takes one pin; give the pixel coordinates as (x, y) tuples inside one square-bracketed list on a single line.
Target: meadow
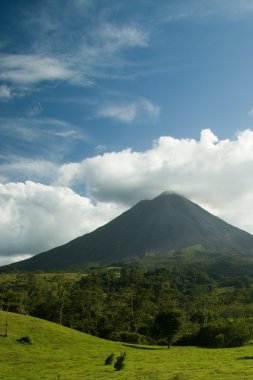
[(58, 352)]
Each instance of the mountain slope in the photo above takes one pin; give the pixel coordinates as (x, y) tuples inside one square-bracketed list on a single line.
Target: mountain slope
[(167, 222)]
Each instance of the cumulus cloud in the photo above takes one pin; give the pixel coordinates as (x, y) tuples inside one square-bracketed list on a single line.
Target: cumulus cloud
[(217, 174), (35, 217)]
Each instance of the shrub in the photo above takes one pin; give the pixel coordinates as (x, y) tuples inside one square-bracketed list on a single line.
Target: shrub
[(24, 340), (238, 333), (233, 334), (119, 364), (227, 334), (109, 359)]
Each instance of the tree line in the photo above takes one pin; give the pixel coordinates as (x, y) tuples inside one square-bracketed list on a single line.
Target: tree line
[(159, 306)]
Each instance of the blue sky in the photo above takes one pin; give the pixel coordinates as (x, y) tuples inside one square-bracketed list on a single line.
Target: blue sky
[(104, 103)]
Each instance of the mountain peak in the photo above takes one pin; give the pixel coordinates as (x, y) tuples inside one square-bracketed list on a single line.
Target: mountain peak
[(170, 194), (167, 222)]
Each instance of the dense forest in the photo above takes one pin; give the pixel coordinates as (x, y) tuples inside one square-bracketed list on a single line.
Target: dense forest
[(185, 306)]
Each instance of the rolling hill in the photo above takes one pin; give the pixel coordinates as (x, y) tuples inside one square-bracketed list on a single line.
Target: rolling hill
[(168, 222), (58, 352)]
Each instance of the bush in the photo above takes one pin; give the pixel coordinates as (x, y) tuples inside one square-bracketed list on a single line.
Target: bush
[(229, 334), (233, 334), (119, 364), (238, 333), (24, 340), (109, 359)]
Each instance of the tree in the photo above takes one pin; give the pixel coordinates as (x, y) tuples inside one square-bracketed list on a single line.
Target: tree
[(86, 309), (166, 325)]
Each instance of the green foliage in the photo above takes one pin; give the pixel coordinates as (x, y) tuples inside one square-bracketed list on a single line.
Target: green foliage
[(166, 325), (109, 359), (120, 362), (228, 334), (24, 340), (136, 306)]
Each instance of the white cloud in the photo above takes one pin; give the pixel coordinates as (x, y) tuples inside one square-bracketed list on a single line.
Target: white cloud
[(5, 93), (232, 9), (125, 113), (21, 169), (31, 69), (129, 112), (101, 51), (59, 54), (100, 148), (215, 173), (116, 37), (35, 217), (49, 140), (57, 51), (50, 137)]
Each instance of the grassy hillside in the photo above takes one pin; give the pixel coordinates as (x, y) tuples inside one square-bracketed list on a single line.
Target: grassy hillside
[(57, 352)]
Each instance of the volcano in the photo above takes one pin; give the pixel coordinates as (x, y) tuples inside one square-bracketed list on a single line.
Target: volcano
[(167, 222)]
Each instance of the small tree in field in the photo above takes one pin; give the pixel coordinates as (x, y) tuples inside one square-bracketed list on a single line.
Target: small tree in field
[(119, 364), (166, 325), (109, 359)]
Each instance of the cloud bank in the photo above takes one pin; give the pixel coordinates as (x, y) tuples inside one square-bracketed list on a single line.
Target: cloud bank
[(36, 217), (217, 174)]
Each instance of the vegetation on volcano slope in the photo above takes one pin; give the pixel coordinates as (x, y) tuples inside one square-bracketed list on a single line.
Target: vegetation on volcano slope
[(58, 352)]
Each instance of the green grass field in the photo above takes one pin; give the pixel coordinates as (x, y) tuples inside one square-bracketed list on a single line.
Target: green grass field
[(57, 352)]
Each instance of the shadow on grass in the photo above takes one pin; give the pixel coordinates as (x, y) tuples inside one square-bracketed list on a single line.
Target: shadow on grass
[(245, 358), (142, 347)]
